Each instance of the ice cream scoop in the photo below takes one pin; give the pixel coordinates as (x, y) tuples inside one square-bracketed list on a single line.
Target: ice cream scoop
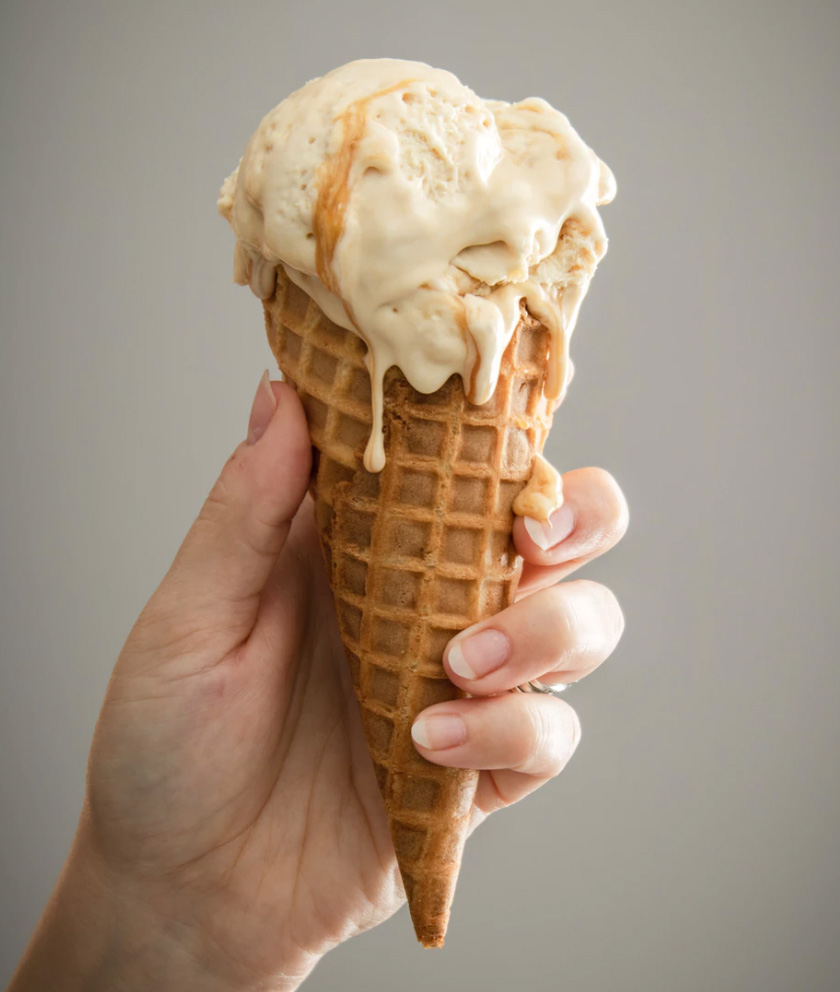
[(419, 217)]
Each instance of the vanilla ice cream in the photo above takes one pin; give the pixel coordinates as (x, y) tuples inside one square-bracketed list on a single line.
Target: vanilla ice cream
[(419, 216)]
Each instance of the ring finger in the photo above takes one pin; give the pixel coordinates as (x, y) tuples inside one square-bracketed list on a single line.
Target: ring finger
[(518, 741)]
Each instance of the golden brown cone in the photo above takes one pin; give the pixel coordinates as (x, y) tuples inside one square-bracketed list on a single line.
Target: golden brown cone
[(415, 554)]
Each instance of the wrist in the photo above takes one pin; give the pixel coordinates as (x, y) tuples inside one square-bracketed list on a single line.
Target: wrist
[(98, 933), (103, 930)]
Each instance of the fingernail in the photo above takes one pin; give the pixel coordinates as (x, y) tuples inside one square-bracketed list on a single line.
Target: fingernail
[(549, 533), (262, 410), (476, 655), (439, 731)]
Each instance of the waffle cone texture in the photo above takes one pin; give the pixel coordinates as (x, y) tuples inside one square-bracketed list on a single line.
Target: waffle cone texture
[(415, 554)]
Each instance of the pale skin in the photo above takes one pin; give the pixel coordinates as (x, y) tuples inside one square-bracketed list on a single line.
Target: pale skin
[(232, 830)]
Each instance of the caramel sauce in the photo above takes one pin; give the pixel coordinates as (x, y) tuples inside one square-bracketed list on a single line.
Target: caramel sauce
[(334, 186), (463, 327)]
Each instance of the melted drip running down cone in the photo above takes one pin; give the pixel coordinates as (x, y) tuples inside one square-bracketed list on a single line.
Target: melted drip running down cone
[(415, 554)]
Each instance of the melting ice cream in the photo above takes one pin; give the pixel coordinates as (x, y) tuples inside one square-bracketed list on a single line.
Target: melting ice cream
[(420, 216)]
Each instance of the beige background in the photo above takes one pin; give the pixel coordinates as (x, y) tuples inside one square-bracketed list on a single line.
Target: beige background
[(692, 843)]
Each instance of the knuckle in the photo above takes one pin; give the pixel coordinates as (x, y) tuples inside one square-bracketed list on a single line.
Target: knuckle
[(613, 616), (615, 513), (558, 621), (604, 479), (556, 731), (217, 506), (548, 743), (607, 615), (620, 520), (528, 741)]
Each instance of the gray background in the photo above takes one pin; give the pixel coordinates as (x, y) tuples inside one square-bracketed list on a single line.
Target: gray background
[(691, 844)]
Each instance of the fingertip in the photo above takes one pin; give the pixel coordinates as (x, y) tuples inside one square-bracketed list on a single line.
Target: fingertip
[(281, 389), (537, 541), (288, 407), (593, 518), (281, 459), (289, 418), (455, 663), (438, 729), (524, 543), (476, 654)]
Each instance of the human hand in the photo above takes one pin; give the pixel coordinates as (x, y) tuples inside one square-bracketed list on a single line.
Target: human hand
[(233, 831)]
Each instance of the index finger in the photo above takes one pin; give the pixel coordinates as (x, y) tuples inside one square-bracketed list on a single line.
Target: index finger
[(592, 519)]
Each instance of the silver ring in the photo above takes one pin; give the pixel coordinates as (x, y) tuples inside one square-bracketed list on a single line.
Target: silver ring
[(548, 690)]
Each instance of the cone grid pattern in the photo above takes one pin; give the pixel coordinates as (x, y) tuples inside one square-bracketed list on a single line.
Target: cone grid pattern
[(415, 553)]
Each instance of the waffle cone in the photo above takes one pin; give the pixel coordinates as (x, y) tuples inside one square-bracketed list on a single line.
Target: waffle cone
[(414, 553)]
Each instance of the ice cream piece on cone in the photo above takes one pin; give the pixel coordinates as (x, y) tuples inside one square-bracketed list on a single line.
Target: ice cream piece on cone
[(415, 554)]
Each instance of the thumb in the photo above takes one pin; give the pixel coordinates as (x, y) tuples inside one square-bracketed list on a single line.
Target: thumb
[(227, 556)]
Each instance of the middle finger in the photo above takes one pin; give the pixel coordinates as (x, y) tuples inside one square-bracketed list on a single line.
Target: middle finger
[(558, 634)]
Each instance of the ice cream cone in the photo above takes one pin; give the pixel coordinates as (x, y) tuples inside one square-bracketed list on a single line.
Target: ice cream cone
[(415, 553), (386, 206)]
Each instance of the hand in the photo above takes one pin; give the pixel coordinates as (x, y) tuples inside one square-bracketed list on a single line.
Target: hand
[(233, 831), (553, 633)]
